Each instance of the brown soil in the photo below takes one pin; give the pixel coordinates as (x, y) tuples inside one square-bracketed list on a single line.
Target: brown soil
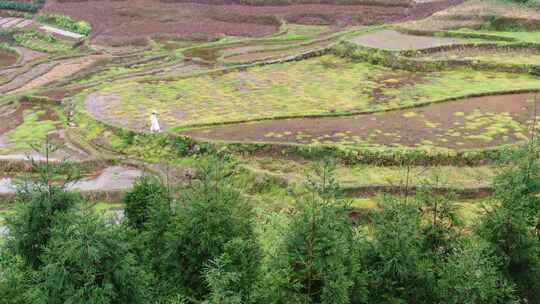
[(273, 54), (59, 94), (19, 80), (208, 54), (125, 21), (446, 125), (251, 48), (7, 58), (29, 55), (13, 119), (62, 69)]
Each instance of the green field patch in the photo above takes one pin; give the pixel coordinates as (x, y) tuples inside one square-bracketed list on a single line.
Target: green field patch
[(500, 55), (369, 175), (42, 42), (34, 129), (325, 85), (471, 123)]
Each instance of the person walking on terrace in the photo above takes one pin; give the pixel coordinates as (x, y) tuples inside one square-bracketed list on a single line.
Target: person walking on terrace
[(154, 124)]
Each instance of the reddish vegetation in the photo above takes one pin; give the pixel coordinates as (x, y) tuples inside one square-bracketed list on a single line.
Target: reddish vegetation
[(121, 21)]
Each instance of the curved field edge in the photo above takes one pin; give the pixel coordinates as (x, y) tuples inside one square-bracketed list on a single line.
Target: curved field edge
[(156, 148), (288, 40), (412, 60), (531, 84)]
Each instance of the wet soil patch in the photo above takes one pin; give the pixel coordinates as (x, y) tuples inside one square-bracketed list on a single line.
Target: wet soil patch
[(279, 53), (479, 122), (8, 58), (208, 54), (61, 69), (61, 93), (13, 119), (116, 178), (26, 77), (29, 55)]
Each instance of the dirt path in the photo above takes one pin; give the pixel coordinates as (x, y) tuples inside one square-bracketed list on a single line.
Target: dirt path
[(468, 123), (395, 41)]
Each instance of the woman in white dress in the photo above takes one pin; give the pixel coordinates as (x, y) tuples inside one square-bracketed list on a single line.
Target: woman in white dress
[(154, 124)]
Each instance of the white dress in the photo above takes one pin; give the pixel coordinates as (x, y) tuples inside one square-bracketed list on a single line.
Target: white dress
[(154, 127)]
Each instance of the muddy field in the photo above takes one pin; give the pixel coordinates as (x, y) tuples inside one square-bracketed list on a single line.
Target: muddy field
[(128, 21), (116, 178), (7, 58), (469, 123)]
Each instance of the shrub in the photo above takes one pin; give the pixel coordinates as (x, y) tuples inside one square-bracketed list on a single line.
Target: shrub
[(319, 261), (471, 275), (31, 227), (148, 190), (89, 261), (232, 276), (40, 41), (511, 226), (67, 23), (20, 6), (208, 217), (401, 270)]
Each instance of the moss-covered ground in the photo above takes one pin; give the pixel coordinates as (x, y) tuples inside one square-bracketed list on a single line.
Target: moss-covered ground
[(37, 124), (369, 175), (325, 85), (502, 55)]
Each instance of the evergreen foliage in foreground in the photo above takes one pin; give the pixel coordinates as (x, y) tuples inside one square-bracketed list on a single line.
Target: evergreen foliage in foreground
[(202, 244)]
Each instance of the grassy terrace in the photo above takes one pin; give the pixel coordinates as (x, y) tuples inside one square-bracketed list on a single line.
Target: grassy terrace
[(36, 124), (321, 86), (366, 175), (502, 55)]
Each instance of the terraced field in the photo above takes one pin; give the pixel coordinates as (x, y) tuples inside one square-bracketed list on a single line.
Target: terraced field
[(498, 55), (7, 58), (114, 22), (270, 82), (472, 123), (324, 85), (396, 41)]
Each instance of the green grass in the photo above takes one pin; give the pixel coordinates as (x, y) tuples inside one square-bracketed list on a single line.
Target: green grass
[(320, 86), (519, 36), (106, 207), (502, 55), (296, 32), (42, 42), (469, 210), (32, 131), (366, 175)]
